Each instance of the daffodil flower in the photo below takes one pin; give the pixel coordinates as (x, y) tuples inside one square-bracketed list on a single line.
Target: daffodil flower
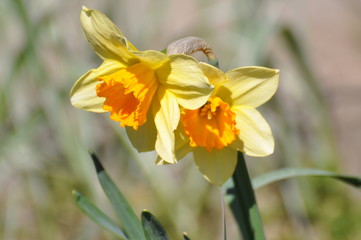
[(228, 122), (141, 89)]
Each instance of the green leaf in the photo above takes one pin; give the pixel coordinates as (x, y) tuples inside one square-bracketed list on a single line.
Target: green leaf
[(129, 220), (243, 203), (97, 215), (153, 230), (285, 173), (244, 206)]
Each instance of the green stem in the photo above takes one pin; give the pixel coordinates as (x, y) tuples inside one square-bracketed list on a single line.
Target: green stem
[(244, 206)]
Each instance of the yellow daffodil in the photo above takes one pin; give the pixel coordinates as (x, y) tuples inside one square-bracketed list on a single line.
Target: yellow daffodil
[(141, 89), (228, 122)]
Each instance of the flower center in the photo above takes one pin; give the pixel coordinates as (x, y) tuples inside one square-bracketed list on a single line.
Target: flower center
[(128, 94), (211, 126)]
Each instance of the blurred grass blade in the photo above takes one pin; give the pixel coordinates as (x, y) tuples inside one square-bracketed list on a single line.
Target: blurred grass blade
[(185, 236), (129, 220), (282, 174), (224, 227), (244, 206), (153, 230), (224, 221), (97, 215), (295, 47)]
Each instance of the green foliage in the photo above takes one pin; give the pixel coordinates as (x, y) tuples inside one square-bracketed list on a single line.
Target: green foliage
[(282, 174), (121, 206), (244, 206), (149, 229), (97, 215), (153, 230)]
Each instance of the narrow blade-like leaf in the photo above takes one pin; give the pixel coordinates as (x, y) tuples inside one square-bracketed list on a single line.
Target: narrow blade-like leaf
[(285, 173), (129, 220), (244, 206), (153, 230), (97, 215)]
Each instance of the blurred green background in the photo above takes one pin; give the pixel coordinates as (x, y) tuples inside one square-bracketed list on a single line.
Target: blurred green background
[(315, 117)]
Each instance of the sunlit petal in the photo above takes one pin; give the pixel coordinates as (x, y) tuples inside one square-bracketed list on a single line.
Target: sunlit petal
[(105, 37), (185, 79), (83, 94), (180, 153), (255, 133), (152, 59), (250, 86), (166, 117), (216, 166), (181, 146), (215, 76)]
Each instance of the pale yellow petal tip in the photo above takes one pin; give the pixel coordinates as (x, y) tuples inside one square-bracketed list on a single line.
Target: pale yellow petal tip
[(260, 153), (160, 161), (216, 182), (75, 102), (172, 161), (85, 12)]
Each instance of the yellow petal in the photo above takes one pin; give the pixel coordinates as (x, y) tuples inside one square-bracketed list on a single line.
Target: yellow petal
[(160, 161), (144, 138), (216, 166), (152, 59), (250, 86), (185, 79), (105, 37), (254, 132), (180, 153), (182, 150), (166, 117), (182, 147), (214, 75), (83, 94)]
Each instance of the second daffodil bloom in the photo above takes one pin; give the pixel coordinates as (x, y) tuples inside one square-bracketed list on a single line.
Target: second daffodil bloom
[(229, 121), (141, 89)]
